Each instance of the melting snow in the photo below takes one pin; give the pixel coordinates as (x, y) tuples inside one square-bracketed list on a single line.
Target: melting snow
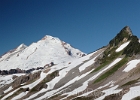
[(57, 91), (10, 88), (62, 74), (122, 46), (109, 92), (85, 84), (5, 79), (42, 76), (133, 92), (6, 96), (87, 64), (19, 96), (130, 65)]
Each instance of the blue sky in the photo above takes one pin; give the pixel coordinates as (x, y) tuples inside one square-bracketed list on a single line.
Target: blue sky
[(85, 24)]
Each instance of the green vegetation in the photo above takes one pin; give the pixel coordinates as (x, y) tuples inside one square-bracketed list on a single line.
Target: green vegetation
[(109, 54), (108, 59), (123, 34), (112, 70), (133, 47)]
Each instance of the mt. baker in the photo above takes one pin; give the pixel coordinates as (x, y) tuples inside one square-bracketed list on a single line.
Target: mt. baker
[(48, 49)]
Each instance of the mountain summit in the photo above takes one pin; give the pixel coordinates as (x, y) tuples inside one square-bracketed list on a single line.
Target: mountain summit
[(110, 73), (48, 49)]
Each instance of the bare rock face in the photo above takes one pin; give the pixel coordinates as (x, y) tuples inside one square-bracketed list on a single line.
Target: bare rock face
[(26, 78), (128, 30)]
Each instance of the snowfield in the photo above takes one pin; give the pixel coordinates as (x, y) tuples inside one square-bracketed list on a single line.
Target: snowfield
[(130, 65), (45, 51), (133, 92), (122, 46), (5, 79)]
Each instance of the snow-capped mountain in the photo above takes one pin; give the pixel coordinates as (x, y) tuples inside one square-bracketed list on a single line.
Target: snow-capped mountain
[(48, 49), (110, 73)]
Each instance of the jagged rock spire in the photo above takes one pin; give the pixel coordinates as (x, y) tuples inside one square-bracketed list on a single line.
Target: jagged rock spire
[(127, 30), (123, 36)]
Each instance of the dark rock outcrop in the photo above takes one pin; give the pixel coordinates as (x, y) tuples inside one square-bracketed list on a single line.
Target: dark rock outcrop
[(26, 78)]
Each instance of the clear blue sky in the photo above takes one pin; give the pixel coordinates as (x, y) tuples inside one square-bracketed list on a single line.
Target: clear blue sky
[(85, 24)]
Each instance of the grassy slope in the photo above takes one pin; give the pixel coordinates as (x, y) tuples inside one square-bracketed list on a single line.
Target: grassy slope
[(112, 70)]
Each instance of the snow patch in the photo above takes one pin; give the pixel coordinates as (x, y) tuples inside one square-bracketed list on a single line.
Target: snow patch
[(110, 84), (42, 76), (122, 46), (20, 95), (109, 92), (133, 92), (87, 64), (85, 84), (5, 79), (6, 96), (10, 88), (130, 65)]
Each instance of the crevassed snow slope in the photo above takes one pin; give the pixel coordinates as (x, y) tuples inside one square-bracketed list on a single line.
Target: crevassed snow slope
[(122, 46), (130, 65), (47, 50)]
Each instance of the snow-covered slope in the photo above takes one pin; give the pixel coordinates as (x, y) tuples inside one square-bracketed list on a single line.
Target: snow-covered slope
[(110, 73), (47, 50)]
